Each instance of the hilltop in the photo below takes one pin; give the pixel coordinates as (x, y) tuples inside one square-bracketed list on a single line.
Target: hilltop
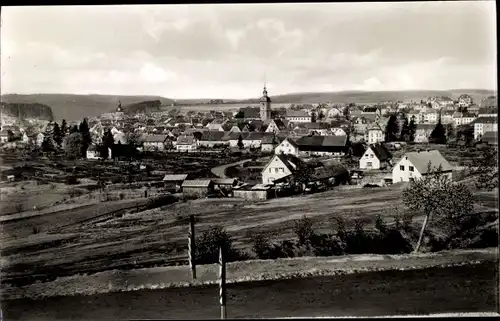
[(27, 110), (75, 107), (366, 97)]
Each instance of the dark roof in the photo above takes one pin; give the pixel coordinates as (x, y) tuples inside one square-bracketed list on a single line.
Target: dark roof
[(279, 123), (370, 110), (490, 138), (212, 135), (315, 125), (381, 152), (321, 142), (153, 138), (328, 172), (484, 120), (358, 149), (249, 135), (290, 161), (488, 110)]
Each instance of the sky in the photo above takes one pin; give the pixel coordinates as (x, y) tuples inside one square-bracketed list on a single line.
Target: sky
[(230, 51)]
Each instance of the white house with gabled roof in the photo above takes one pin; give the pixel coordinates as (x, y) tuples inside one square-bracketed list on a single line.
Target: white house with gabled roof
[(414, 165), (287, 146)]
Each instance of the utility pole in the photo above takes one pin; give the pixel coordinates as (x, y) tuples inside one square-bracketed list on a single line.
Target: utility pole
[(192, 247), (222, 283)]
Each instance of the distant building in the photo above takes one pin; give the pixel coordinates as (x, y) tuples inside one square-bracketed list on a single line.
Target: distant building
[(414, 165), (197, 188), (298, 116), (464, 100), (483, 125), (185, 143), (375, 134), (265, 106)]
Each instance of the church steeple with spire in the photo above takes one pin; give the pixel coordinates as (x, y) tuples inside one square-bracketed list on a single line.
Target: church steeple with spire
[(265, 105)]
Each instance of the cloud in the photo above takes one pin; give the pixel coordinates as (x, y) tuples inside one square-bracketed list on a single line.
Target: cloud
[(225, 50)]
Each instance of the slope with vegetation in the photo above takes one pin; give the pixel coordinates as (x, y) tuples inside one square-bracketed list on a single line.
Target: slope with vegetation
[(27, 110)]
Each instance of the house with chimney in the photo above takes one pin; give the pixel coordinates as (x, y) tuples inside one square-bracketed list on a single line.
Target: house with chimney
[(287, 146), (375, 134)]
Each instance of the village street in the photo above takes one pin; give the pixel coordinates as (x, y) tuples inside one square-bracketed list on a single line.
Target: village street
[(434, 290)]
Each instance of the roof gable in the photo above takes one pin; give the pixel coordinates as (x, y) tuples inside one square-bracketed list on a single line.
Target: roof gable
[(421, 160)]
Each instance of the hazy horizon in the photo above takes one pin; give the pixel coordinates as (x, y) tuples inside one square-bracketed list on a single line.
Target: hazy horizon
[(228, 51)]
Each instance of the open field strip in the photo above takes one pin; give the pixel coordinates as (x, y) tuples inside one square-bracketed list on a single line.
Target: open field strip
[(247, 271)]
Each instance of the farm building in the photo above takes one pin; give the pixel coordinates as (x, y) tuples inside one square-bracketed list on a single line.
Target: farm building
[(197, 188), (259, 192), (414, 165), (213, 138), (225, 185), (174, 181), (154, 142), (322, 145), (376, 156)]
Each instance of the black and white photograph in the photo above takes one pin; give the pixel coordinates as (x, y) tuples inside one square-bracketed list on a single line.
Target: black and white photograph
[(249, 160)]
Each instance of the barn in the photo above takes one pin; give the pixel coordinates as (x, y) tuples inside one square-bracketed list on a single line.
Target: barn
[(197, 188), (173, 182), (259, 192)]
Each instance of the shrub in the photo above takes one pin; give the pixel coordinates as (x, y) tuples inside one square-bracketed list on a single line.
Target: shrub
[(327, 244), (380, 224), (19, 208), (122, 196), (303, 228), (71, 180), (207, 247), (36, 229)]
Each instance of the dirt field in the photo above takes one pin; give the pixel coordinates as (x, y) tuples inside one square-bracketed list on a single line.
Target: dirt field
[(435, 290), (157, 237)]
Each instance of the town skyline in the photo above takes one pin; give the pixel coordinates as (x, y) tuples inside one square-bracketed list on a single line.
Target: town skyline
[(230, 51)]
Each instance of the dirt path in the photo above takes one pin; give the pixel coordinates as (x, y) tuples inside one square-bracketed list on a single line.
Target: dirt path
[(435, 290), (220, 171)]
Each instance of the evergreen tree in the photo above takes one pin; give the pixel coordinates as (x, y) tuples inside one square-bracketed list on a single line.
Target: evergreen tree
[(346, 113), (405, 131), (412, 128), (313, 117), (321, 115), (47, 145), (73, 129), (438, 135), (240, 142), (450, 132), (86, 138), (107, 142), (64, 128), (57, 135), (392, 129)]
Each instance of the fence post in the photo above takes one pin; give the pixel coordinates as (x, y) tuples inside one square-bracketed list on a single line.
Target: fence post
[(192, 247), (222, 284)]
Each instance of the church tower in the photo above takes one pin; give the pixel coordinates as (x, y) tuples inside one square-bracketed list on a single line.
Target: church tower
[(265, 106)]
